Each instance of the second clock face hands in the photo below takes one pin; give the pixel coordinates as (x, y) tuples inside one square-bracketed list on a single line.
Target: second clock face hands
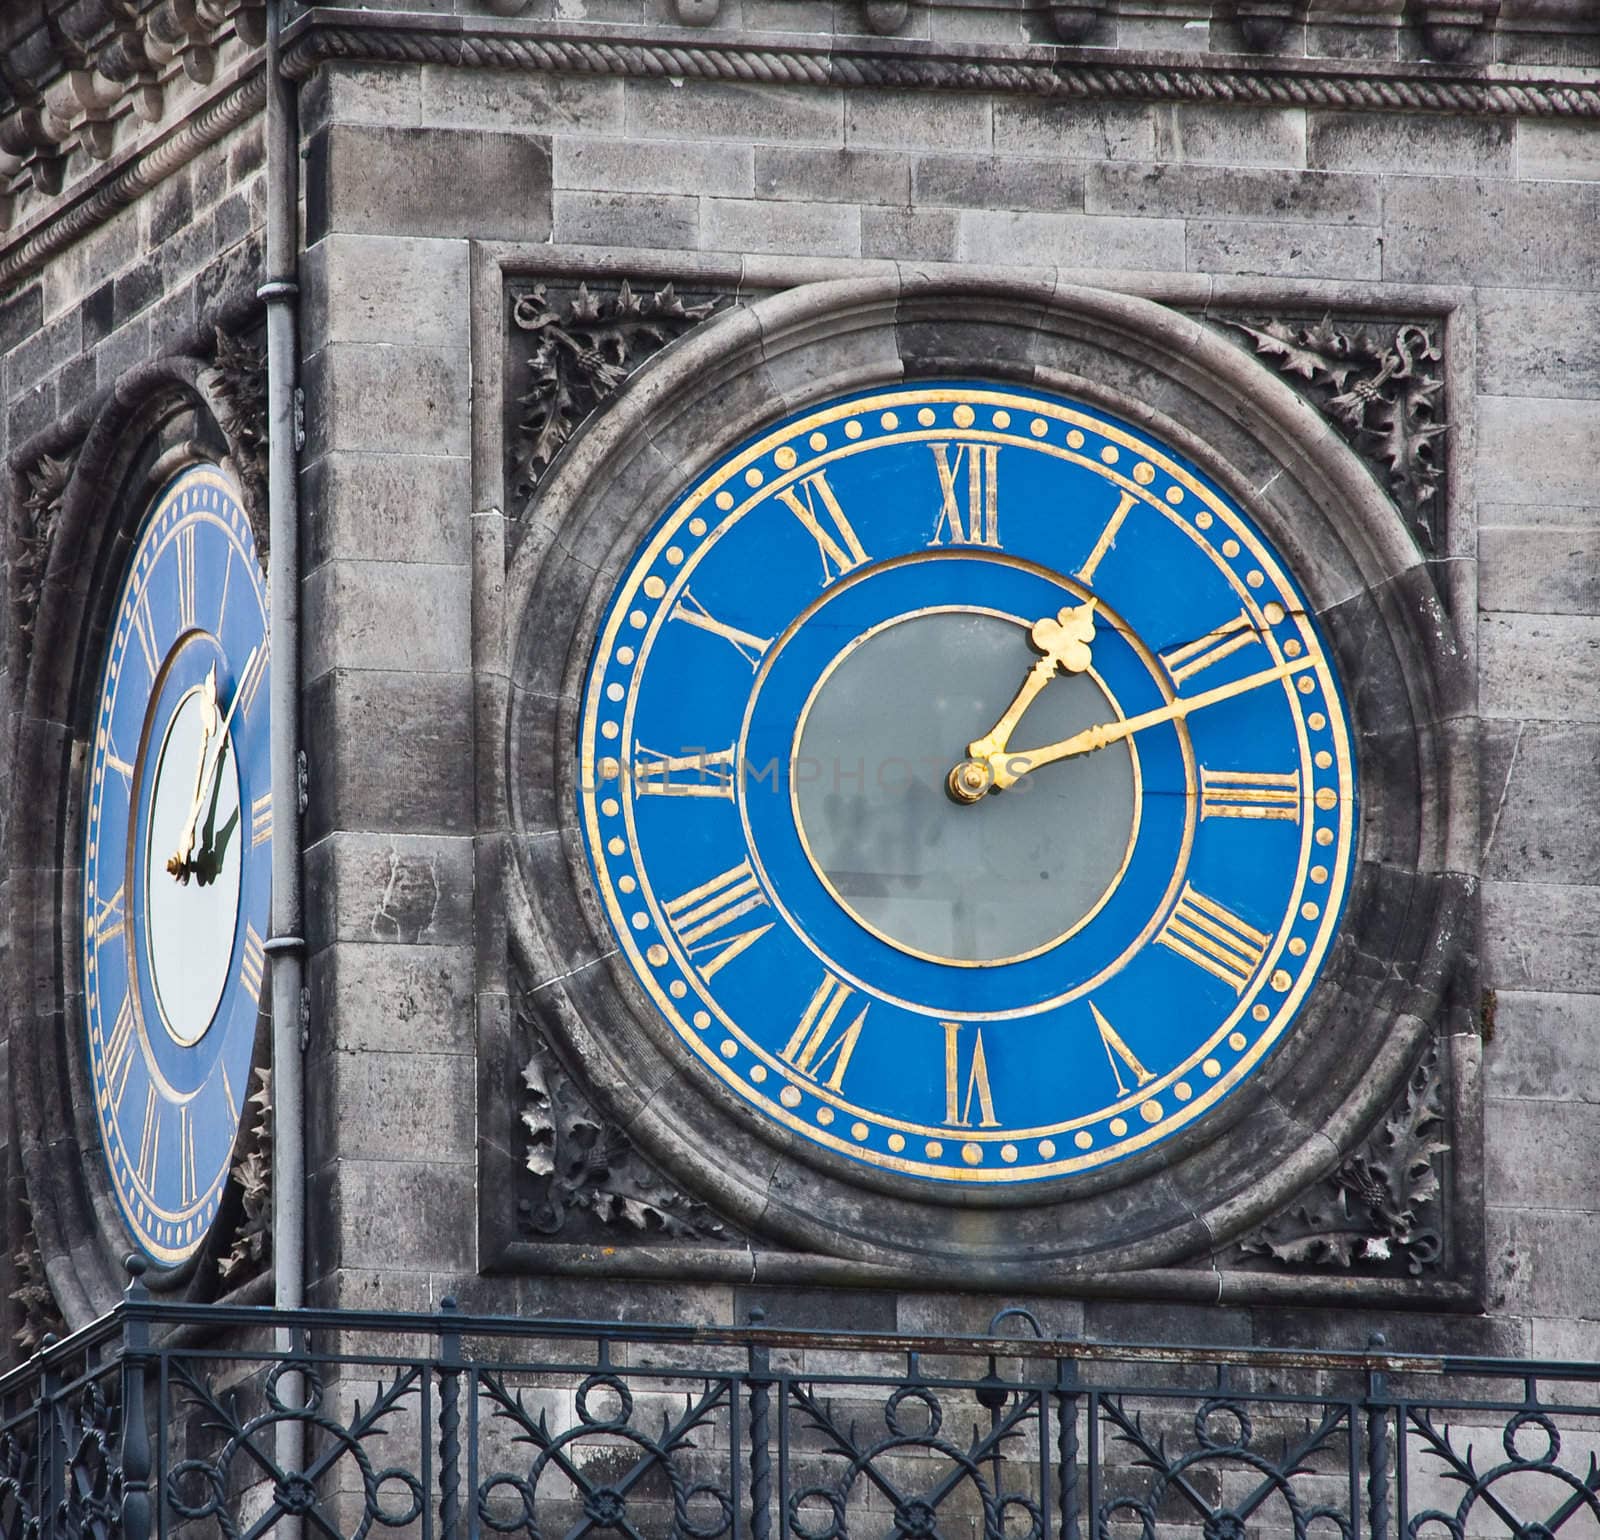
[(182, 863), (991, 768)]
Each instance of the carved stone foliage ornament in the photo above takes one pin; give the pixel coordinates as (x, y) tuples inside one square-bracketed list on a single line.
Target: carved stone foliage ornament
[(588, 1178), (240, 378), (36, 526), (576, 349), (39, 1314), (1380, 1208), (252, 1175), (1383, 385)]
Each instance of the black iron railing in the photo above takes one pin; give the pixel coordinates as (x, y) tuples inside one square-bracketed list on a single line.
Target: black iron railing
[(167, 1420)]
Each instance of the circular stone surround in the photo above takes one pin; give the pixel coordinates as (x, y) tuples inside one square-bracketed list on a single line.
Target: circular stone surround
[(1409, 689)]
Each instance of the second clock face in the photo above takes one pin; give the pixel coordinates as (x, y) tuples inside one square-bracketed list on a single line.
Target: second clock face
[(177, 861), (967, 783)]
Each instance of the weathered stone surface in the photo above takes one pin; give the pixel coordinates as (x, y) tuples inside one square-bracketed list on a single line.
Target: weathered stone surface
[(815, 229), (1227, 192), (409, 1106), (379, 397), (1235, 136), (833, 176), (1540, 666), (1538, 451), (1541, 804), (1550, 149), (747, 114), (405, 617), (412, 181), (366, 288), (1541, 936), (1472, 230), (1544, 1047), (1538, 342), (1369, 142), (930, 235), (627, 219), (1540, 1153), (661, 166), (1071, 240), (412, 889), (996, 182), (380, 1213), (543, 103), (386, 507), (392, 998), (899, 120), (1071, 131), (392, 751), (1297, 250)]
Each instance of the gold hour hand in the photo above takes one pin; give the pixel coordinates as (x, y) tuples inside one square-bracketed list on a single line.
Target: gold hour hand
[(1063, 642), (1007, 770)]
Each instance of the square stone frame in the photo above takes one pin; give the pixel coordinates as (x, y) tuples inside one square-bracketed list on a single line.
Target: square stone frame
[(502, 1250)]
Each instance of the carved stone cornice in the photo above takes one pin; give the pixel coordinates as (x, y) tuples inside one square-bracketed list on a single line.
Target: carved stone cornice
[(322, 34), (60, 223), (82, 79)]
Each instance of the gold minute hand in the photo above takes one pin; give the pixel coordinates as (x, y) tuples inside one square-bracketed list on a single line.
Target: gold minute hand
[(1007, 769)]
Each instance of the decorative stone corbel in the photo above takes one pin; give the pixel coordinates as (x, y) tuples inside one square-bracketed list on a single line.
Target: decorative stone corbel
[(1263, 23), (1073, 20), (1449, 26), (696, 13), (885, 17)]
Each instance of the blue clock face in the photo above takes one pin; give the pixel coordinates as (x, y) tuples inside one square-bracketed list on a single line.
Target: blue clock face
[(967, 783), (177, 861)]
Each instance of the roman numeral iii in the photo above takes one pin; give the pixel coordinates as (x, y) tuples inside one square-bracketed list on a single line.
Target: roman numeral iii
[(974, 520), (1200, 929), (1250, 794)]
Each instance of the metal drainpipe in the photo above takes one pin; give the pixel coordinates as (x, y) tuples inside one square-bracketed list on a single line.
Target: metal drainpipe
[(286, 948)]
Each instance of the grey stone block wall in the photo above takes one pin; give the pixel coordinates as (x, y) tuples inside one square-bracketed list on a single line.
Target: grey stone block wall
[(409, 169)]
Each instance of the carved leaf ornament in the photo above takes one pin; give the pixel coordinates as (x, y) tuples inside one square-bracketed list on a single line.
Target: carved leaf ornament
[(1368, 1210), (1384, 389), (585, 1164), (580, 352)]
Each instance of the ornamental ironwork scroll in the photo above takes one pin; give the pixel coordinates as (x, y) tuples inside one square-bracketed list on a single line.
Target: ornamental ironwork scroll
[(534, 1427)]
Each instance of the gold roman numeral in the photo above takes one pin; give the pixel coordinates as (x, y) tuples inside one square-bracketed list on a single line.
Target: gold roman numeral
[(704, 774), (981, 523), (1250, 794), (252, 962), (249, 687), (964, 1081), (836, 539), (1108, 538), (809, 1049), (186, 576), (1111, 1041), (108, 919), (1193, 657), (150, 1141), (190, 1183), (119, 1054), (115, 762), (701, 917), (143, 627), (749, 646), (261, 820), (1200, 929)]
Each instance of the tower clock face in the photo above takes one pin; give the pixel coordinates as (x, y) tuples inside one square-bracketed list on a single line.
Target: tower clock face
[(967, 783), (177, 861)]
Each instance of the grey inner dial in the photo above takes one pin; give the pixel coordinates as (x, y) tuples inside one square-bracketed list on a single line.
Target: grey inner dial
[(1002, 878)]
